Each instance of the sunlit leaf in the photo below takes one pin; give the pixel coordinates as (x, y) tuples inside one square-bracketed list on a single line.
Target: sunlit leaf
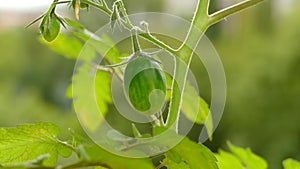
[(195, 155), (65, 45), (248, 158), (27, 143), (228, 161), (196, 109)]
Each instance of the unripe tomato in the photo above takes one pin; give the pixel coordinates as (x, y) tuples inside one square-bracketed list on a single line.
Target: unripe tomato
[(145, 85)]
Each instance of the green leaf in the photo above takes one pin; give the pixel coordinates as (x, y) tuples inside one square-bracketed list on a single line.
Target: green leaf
[(196, 156), (291, 164), (196, 109), (74, 24), (64, 45), (50, 27), (248, 158), (36, 163), (98, 155), (27, 143), (228, 161)]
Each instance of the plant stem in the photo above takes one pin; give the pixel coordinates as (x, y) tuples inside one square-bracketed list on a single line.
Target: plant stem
[(200, 23), (183, 59), (220, 15), (135, 41), (141, 33)]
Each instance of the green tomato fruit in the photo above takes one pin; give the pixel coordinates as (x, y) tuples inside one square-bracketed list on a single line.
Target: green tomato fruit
[(50, 27), (145, 85)]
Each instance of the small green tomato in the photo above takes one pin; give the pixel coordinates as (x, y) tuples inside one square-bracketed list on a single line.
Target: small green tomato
[(145, 85)]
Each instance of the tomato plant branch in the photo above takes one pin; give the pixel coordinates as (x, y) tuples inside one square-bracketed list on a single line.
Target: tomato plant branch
[(183, 55), (220, 15), (200, 23)]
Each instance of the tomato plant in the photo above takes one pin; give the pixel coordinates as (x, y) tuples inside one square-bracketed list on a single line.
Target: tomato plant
[(146, 87)]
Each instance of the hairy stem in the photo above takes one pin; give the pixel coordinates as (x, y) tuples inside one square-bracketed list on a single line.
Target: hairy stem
[(102, 7), (141, 33), (184, 56)]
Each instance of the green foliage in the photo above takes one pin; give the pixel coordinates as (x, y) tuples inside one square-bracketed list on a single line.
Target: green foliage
[(196, 109), (228, 161), (26, 143), (240, 158), (291, 164)]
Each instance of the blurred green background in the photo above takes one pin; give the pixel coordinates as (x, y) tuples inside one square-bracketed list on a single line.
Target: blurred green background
[(260, 49)]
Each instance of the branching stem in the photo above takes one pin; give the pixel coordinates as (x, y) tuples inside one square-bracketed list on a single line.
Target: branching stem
[(200, 23)]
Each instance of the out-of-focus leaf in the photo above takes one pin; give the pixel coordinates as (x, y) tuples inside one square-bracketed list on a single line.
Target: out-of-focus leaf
[(248, 158), (196, 109), (88, 90), (103, 45), (194, 155), (26, 143), (291, 164), (64, 45)]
